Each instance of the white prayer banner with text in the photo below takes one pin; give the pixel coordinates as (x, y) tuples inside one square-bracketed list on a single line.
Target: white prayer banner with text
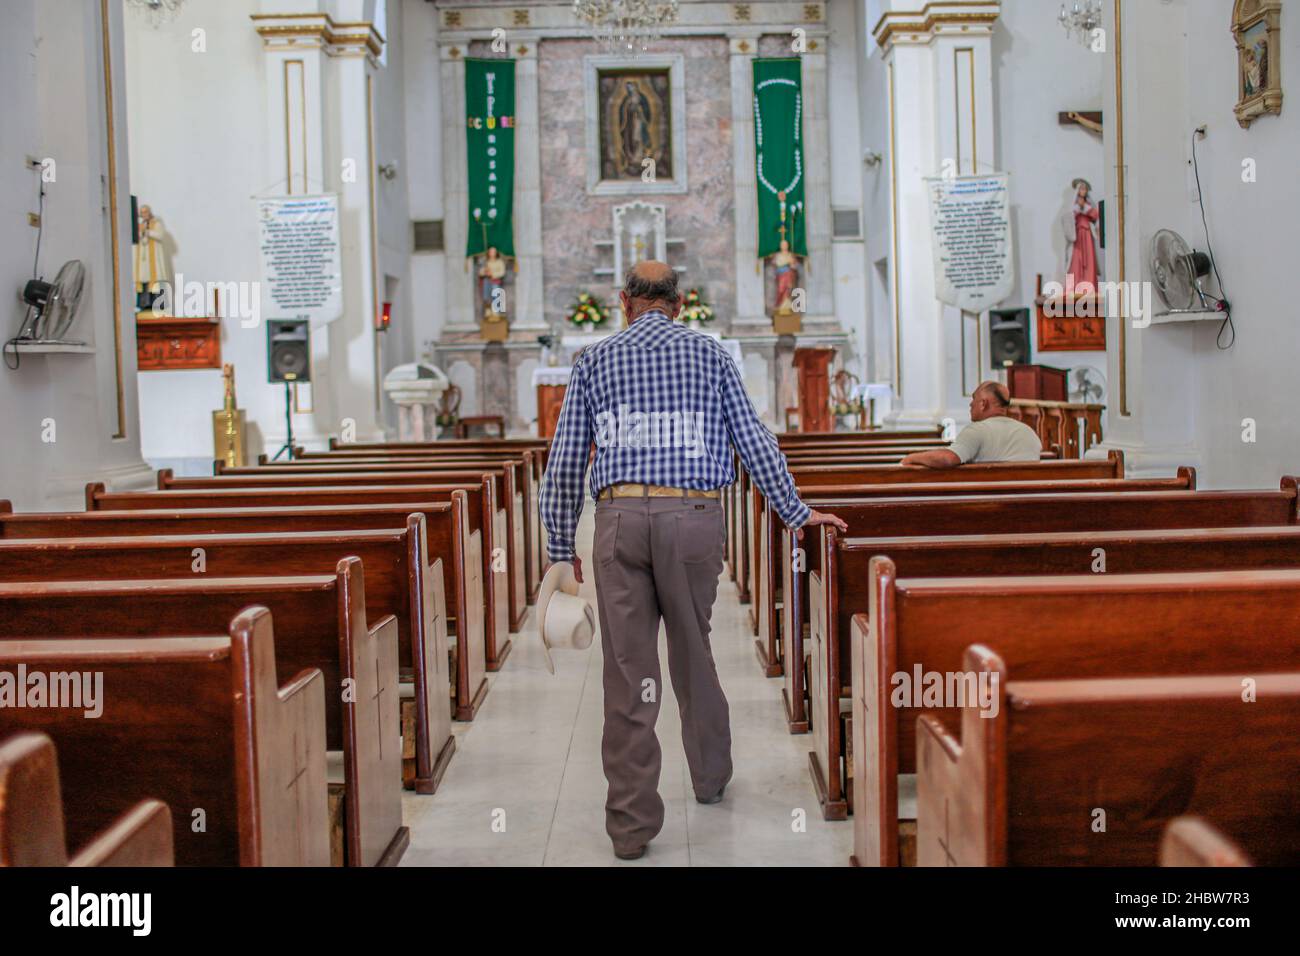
[(301, 266), (970, 221)]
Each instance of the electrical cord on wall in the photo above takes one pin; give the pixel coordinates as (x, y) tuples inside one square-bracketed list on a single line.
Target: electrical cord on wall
[(1227, 324), (12, 344)]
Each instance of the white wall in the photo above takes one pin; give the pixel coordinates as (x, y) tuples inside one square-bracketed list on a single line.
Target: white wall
[(873, 126), (51, 71), (1187, 396), (198, 157), (206, 142), (848, 288)]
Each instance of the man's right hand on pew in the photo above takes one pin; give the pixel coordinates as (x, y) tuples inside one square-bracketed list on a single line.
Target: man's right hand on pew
[(818, 517)]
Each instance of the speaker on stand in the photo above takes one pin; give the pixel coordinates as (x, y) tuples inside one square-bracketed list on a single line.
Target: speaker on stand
[(288, 360), (1008, 338)]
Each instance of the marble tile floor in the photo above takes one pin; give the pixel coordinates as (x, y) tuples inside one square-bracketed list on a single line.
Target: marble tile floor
[(526, 788)]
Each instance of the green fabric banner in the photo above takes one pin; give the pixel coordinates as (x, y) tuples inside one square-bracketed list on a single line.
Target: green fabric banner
[(778, 154), (490, 155)]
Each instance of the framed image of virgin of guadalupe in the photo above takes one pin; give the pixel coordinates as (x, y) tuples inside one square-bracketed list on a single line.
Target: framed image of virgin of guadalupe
[(635, 125), (636, 132), (1256, 28)]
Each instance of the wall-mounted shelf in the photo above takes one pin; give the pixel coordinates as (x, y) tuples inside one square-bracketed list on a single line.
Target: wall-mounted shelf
[(1170, 319), (51, 348)]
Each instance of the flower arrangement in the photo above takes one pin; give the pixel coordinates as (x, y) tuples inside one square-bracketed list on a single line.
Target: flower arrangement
[(588, 311), (695, 310)]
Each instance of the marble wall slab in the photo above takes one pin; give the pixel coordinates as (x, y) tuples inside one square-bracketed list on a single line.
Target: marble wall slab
[(572, 220)]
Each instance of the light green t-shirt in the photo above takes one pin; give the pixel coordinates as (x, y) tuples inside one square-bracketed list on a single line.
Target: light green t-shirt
[(997, 439)]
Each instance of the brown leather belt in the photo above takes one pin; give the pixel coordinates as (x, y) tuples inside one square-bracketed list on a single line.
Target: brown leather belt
[(654, 491)]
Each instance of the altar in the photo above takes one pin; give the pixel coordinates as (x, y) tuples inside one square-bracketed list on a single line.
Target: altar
[(618, 159)]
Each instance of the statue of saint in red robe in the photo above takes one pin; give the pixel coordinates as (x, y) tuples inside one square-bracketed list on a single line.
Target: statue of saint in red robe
[(1081, 242)]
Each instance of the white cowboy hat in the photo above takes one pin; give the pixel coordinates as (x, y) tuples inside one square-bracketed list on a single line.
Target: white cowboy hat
[(564, 620)]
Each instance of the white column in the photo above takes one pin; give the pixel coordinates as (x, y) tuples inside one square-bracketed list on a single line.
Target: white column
[(320, 126), (353, 341), (750, 307), (1151, 378), (939, 122), (529, 309), (817, 188), (455, 190)]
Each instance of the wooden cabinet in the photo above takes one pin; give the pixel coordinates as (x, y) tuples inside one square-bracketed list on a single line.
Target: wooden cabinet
[(1038, 382), (167, 342), (1082, 331)]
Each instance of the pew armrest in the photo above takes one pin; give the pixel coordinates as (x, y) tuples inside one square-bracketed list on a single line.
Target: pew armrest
[(141, 837)]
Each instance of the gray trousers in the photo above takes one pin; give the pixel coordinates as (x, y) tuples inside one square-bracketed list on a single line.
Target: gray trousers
[(658, 558)]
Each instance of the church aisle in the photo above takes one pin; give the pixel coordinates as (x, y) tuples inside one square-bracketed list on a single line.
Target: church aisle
[(525, 787)]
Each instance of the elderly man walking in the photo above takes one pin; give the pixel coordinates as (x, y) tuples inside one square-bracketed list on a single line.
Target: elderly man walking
[(664, 406)]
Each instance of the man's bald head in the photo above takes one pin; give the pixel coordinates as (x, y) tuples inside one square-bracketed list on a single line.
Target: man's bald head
[(650, 284), (989, 400)]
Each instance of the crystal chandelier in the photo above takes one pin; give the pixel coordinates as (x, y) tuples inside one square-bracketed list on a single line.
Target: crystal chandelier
[(158, 11), (626, 26), (1081, 19)]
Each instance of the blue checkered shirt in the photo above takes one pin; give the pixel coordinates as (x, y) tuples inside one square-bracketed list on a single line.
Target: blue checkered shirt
[(664, 405)]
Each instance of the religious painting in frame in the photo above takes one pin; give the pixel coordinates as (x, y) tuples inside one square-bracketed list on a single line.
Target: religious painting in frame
[(635, 124), (1256, 28), (636, 138)]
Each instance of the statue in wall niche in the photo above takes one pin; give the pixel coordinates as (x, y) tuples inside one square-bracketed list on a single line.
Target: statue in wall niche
[(492, 285), (785, 265), (152, 269), (1079, 223)]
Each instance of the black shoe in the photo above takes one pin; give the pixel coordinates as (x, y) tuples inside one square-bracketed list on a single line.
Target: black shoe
[(631, 854), (716, 798)]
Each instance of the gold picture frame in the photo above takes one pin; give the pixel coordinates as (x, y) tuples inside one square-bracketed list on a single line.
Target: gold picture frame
[(1256, 29)]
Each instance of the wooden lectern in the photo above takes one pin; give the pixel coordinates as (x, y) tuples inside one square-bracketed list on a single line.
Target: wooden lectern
[(550, 399), (813, 367)]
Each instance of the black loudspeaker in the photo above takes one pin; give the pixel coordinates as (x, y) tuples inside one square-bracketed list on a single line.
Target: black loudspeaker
[(1008, 337), (288, 350)]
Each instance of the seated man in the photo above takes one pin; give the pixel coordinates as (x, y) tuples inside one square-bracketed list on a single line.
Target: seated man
[(992, 434)]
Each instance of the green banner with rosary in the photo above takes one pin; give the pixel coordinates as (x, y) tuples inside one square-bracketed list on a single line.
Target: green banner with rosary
[(490, 155), (778, 155)]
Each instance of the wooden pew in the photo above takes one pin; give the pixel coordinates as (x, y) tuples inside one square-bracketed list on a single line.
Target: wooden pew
[(508, 530), (484, 517), (1191, 841), (1045, 627), (31, 817), (751, 574), (320, 623), (526, 482), (1026, 787), (446, 524), (398, 580), (770, 584), (200, 723), (822, 473), (832, 602), (783, 619)]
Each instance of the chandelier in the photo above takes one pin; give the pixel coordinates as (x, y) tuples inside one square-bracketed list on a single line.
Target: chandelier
[(1081, 20), (626, 26), (158, 11)]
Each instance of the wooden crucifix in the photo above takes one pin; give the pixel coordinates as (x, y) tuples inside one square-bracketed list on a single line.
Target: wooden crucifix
[(1091, 121)]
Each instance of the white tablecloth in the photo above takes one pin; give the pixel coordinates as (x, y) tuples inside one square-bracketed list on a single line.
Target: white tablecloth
[(552, 375)]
